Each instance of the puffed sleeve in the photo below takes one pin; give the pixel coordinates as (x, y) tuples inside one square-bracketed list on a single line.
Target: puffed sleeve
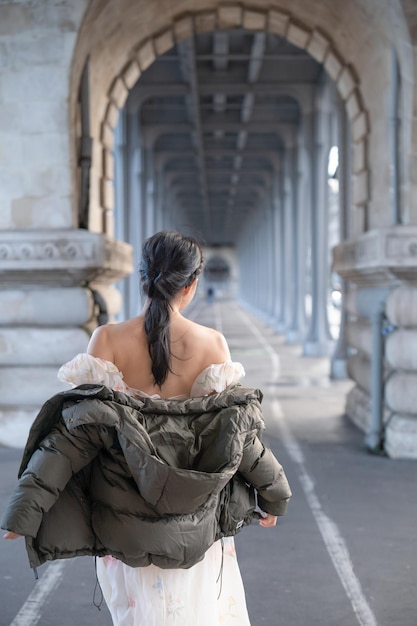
[(85, 368)]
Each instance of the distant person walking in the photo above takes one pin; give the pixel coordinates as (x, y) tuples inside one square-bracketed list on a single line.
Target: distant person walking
[(152, 463)]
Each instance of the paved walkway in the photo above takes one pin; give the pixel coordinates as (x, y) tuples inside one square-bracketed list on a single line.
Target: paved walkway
[(345, 554)]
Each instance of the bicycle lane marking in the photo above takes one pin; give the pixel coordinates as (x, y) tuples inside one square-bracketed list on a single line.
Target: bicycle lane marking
[(31, 611), (331, 535)]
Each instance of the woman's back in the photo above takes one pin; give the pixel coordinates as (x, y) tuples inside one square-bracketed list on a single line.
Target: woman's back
[(193, 348)]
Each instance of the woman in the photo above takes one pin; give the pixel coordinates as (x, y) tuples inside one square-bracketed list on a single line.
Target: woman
[(162, 354)]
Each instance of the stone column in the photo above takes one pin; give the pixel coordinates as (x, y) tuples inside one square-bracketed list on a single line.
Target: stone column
[(48, 303), (270, 235), (295, 331), (400, 388), (339, 358), (275, 235), (318, 341), (381, 265), (280, 247)]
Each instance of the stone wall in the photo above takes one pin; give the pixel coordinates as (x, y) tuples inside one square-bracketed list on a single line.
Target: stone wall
[(37, 41), (118, 38), (401, 388)]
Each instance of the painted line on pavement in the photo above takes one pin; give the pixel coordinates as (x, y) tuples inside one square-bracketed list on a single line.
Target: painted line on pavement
[(31, 611), (333, 540)]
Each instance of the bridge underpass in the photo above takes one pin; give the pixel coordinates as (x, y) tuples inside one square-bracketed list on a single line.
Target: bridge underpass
[(223, 122), (227, 136)]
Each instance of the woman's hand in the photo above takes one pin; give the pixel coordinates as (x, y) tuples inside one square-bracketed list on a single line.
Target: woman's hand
[(268, 520), (11, 535)]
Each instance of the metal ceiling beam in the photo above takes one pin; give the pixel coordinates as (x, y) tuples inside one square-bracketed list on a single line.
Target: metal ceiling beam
[(155, 131), (187, 48), (209, 87), (165, 157), (254, 68)]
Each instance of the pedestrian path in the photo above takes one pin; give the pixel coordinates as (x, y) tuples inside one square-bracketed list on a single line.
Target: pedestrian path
[(345, 553)]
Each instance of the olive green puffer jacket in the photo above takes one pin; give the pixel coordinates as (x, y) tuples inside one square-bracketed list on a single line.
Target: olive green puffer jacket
[(145, 480)]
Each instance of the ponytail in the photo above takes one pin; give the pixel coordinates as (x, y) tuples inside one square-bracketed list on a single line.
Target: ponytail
[(170, 262)]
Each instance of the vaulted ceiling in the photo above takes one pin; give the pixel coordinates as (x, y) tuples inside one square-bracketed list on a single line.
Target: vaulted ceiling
[(218, 111)]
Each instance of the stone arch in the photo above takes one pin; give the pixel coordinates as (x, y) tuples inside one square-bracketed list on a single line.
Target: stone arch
[(315, 42)]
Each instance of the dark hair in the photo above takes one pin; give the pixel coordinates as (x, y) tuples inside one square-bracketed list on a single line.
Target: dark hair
[(170, 261)]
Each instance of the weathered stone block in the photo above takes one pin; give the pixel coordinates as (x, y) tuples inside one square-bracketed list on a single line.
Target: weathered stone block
[(359, 336), (46, 49), (52, 211), (164, 42), (146, 55), (40, 346), (298, 35), (108, 164), (333, 64), (78, 256), (112, 115), (401, 306), (346, 82), (359, 161), (14, 19), (46, 149), (42, 117), (401, 437), (118, 92), (353, 106), (359, 370), (39, 83), (360, 127), (15, 424), (31, 385), (254, 20), (358, 408), (229, 16), (401, 392), (401, 349), (361, 188), (183, 28), (205, 22), (358, 220), (46, 307), (318, 46), (278, 22), (131, 74), (107, 194), (107, 136), (108, 222)]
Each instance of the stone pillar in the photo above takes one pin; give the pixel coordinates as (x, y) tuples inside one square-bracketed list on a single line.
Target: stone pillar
[(295, 331), (48, 302), (318, 341), (338, 362), (381, 264), (277, 253), (270, 240), (401, 356)]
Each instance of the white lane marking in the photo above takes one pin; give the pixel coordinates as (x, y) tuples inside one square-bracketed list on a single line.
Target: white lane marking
[(31, 611), (333, 540)]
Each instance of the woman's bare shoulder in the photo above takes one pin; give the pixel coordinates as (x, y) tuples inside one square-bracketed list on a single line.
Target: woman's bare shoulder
[(212, 342), (106, 338)]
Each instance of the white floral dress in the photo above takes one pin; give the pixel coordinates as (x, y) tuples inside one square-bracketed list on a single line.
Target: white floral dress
[(211, 592)]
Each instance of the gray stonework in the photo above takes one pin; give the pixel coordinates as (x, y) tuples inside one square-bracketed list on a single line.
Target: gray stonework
[(382, 265), (48, 279), (50, 269)]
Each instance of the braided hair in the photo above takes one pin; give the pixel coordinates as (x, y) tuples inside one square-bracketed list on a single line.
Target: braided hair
[(170, 261)]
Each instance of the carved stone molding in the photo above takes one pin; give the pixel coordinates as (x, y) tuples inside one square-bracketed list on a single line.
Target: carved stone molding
[(380, 257), (61, 258)]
